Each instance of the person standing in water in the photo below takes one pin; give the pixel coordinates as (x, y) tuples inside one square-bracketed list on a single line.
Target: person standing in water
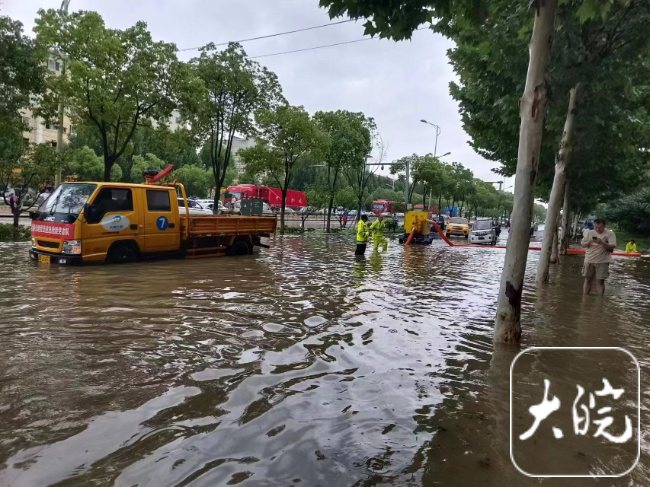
[(362, 235), (600, 243), (377, 229)]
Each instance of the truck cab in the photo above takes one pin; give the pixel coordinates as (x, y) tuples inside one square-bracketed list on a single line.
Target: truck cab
[(382, 206), (97, 222)]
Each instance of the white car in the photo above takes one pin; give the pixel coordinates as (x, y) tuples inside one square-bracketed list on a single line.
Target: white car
[(195, 207), (483, 232), (209, 204)]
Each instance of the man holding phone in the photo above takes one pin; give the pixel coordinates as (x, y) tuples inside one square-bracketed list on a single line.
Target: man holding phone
[(600, 244)]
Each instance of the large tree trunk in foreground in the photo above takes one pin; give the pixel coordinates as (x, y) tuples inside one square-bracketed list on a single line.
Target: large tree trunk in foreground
[(559, 183), (566, 221), (533, 108)]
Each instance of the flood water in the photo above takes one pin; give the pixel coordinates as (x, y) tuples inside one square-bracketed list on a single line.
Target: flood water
[(296, 366)]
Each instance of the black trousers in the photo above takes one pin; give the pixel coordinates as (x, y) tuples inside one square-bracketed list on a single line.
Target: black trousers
[(361, 249)]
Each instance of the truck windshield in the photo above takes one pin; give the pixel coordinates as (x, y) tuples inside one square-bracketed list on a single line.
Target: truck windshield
[(458, 221), (67, 199), (229, 196), (378, 206), (482, 225)]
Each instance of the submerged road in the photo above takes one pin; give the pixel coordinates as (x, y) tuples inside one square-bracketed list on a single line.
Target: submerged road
[(297, 366)]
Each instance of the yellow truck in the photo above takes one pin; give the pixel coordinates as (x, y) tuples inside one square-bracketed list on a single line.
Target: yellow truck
[(90, 222)]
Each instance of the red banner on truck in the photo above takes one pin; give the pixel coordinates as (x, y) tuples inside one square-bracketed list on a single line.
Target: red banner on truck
[(62, 231)]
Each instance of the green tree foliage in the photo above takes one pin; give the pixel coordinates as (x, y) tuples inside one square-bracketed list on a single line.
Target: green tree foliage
[(358, 173), (88, 166), (197, 181), (288, 134), (142, 163), (21, 79), (597, 47), (631, 213), (21, 70), (539, 213), (175, 147), (28, 174), (225, 91), (115, 78), (350, 141), (346, 197)]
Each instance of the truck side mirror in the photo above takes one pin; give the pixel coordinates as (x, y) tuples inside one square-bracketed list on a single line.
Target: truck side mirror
[(92, 213)]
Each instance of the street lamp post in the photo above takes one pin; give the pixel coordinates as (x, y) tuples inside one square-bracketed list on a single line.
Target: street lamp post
[(438, 132), (59, 132)]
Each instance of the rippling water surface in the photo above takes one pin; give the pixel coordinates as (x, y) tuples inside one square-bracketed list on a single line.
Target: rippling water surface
[(297, 366)]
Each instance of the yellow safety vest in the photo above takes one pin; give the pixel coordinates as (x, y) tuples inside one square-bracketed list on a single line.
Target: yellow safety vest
[(362, 232), (377, 227)]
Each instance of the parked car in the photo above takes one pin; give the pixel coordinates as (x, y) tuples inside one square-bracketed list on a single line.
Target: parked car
[(209, 204), (483, 232), (194, 206), (457, 226)]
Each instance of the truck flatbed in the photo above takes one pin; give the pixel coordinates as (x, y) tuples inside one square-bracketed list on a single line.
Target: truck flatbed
[(221, 225), (209, 236)]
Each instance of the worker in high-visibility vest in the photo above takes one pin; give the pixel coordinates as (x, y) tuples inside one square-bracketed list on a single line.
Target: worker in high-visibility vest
[(362, 235), (630, 248), (377, 228)]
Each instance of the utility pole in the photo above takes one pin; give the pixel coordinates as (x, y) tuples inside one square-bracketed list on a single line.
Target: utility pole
[(59, 132), (406, 183)]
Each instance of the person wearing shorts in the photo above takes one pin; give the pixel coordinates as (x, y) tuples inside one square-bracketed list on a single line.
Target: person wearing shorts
[(600, 244)]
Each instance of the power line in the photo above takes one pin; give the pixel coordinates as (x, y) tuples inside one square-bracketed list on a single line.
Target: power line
[(314, 48), (273, 35), (322, 47)]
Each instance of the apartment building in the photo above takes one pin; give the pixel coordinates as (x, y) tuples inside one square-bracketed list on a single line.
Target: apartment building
[(239, 143), (40, 131)]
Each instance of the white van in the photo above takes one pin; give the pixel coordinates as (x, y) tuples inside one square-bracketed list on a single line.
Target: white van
[(483, 232)]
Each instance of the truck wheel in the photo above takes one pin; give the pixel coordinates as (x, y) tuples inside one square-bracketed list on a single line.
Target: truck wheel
[(121, 254), (239, 247)]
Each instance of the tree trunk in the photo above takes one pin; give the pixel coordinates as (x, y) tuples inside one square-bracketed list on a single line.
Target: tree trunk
[(284, 205), (533, 108), (17, 216), (329, 213), (554, 253), (108, 165), (360, 199), (566, 221), (559, 187), (574, 226)]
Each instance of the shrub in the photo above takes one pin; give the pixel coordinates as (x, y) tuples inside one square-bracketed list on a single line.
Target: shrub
[(9, 233)]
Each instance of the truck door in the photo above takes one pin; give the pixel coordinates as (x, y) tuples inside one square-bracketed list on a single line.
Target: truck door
[(161, 222), (117, 218)]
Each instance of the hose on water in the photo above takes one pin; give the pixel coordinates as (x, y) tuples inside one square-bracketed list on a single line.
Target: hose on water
[(569, 251), (411, 235)]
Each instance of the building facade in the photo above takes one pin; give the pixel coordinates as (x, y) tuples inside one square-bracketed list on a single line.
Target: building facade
[(239, 143), (41, 131)]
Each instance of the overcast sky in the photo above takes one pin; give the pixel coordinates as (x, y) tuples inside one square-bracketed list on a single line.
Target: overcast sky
[(396, 83)]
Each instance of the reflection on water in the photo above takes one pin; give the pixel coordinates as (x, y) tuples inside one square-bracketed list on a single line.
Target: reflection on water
[(298, 365)]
